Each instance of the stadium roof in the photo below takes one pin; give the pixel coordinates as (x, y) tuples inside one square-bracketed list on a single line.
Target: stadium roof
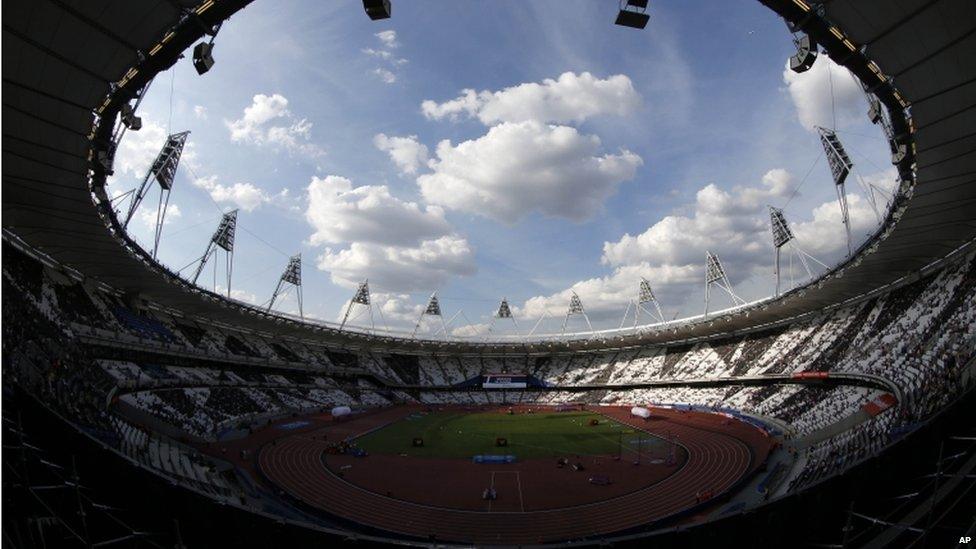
[(69, 65)]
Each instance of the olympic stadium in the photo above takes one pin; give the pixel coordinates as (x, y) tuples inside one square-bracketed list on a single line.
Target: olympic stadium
[(148, 403)]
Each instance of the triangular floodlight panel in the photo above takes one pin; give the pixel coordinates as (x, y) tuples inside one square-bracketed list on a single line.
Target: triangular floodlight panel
[(224, 237), (503, 310), (293, 272), (362, 294), (433, 307), (646, 294), (781, 231), (575, 305), (713, 268), (168, 159), (840, 163)]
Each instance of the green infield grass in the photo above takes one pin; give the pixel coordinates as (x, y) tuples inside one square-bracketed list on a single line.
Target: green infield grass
[(457, 434)]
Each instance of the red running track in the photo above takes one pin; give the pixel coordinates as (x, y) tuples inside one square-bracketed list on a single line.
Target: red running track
[(719, 455)]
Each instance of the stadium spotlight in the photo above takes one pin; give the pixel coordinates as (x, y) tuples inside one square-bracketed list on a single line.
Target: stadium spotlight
[(129, 118), (203, 57), (377, 9), (806, 54), (633, 14)]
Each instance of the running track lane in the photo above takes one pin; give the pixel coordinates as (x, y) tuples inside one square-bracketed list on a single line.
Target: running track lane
[(716, 461)]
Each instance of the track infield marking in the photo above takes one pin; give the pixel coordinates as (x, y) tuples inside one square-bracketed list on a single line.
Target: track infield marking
[(518, 485)]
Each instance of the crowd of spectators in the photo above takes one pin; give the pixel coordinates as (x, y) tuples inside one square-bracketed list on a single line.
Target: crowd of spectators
[(920, 336)]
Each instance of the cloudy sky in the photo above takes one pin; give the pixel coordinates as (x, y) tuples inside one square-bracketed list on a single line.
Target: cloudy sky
[(504, 148)]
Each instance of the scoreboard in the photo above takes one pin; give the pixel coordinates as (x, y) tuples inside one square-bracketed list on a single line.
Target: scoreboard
[(505, 381)]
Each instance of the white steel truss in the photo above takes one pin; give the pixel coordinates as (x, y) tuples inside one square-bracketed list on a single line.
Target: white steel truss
[(715, 275), (222, 239), (293, 276)]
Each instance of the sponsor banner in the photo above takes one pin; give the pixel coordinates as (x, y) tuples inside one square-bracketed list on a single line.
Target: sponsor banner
[(505, 381), (811, 375), (880, 404), (493, 459), (294, 425)]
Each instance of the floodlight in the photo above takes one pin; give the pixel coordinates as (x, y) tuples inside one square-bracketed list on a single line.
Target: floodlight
[(129, 118), (203, 57), (633, 14), (377, 9), (806, 54)]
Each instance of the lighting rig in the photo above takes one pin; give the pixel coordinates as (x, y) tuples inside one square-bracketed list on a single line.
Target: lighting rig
[(163, 170), (840, 166), (504, 312), (633, 14), (576, 308), (222, 239), (715, 276), (361, 298), (806, 53), (378, 9), (783, 235), (644, 295), (292, 276), (433, 309), (203, 59)]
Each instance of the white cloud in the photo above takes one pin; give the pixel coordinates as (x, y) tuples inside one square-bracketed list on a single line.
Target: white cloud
[(735, 225), (267, 121), (147, 216), (407, 153), (520, 167), (467, 103), (400, 246), (824, 235), (382, 54), (341, 213), (825, 89), (138, 149), (721, 219), (386, 55), (200, 112), (263, 109), (398, 308), (470, 330), (238, 294), (400, 269), (388, 38), (385, 75), (400, 311), (570, 98), (607, 296), (243, 195), (395, 310)]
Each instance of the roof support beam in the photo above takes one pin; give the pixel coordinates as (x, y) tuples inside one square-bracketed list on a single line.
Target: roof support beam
[(48, 51)]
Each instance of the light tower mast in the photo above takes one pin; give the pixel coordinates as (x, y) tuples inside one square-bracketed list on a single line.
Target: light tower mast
[(504, 311), (433, 309), (783, 235), (840, 167), (223, 238), (293, 276), (163, 170), (576, 308), (361, 298), (646, 295), (715, 275)]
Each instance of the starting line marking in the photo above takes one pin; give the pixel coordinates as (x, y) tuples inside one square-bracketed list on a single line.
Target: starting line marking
[(518, 481)]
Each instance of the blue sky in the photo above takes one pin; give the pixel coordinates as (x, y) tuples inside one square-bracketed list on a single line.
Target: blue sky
[(354, 143)]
